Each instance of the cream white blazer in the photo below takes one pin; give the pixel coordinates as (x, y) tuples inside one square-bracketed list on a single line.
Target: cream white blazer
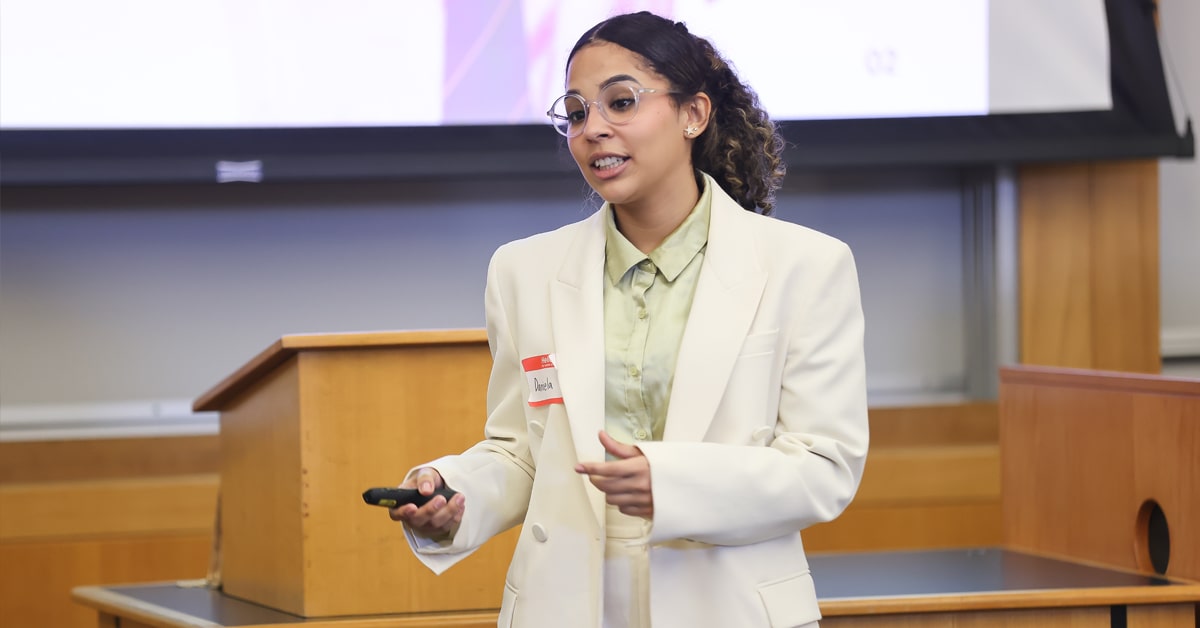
[(766, 431)]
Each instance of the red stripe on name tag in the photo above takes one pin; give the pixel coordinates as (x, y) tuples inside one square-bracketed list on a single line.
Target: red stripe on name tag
[(537, 363)]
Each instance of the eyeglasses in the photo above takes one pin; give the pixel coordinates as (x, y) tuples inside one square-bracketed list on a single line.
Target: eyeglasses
[(618, 103)]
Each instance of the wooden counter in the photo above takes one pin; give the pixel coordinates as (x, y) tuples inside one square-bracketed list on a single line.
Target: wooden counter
[(985, 587)]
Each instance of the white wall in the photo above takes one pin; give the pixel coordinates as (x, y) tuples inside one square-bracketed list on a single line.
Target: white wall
[(1179, 196), (159, 292)]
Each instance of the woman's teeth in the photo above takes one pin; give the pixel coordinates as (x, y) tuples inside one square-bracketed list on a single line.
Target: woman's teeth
[(608, 162)]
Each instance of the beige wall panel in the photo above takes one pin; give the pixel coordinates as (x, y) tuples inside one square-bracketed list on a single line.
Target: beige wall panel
[(1124, 272), (156, 505), (1054, 256), (975, 422), (916, 526), (36, 577), (1088, 255), (97, 459)]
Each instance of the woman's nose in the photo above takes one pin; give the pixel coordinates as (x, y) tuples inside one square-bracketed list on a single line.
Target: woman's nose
[(595, 125)]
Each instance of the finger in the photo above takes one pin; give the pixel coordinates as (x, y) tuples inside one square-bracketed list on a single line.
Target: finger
[(626, 468), (425, 518), (440, 516), (603, 474), (634, 507), (616, 483), (617, 448), (428, 480), (632, 511), (402, 513), (599, 469), (448, 514), (460, 507), (436, 513), (628, 499), (622, 489)]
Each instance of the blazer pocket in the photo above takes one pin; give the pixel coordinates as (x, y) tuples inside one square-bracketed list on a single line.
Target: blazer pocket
[(790, 602), (508, 603), (759, 344)]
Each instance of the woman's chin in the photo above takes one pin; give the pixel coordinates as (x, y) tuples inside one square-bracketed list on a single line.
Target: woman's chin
[(613, 191)]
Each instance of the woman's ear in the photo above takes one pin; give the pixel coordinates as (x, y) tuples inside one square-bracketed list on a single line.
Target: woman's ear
[(697, 113)]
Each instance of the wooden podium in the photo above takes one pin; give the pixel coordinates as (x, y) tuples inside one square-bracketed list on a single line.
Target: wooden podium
[(1087, 457), (310, 423)]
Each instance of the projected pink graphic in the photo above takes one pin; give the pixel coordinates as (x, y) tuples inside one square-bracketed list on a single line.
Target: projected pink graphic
[(495, 55)]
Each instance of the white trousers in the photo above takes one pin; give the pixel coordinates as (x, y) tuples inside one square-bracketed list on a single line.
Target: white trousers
[(626, 571)]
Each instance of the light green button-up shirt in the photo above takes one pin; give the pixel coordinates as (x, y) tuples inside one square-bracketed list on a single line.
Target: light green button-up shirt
[(646, 303)]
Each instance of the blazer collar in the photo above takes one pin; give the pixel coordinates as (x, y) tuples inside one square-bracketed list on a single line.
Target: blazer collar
[(577, 323), (728, 292)]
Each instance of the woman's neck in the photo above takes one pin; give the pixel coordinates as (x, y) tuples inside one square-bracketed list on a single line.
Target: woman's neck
[(647, 222)]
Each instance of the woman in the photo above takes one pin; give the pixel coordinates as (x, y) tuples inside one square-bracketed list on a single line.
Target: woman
[(678, 383)]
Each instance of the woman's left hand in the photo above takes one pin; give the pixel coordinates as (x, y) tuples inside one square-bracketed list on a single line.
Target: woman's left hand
[(625, 481)]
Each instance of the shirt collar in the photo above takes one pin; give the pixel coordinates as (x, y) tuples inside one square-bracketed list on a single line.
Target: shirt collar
[(672, 255)]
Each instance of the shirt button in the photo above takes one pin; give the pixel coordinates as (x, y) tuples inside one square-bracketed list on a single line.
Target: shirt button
[(539, 533), (633, 370), (641, 434), (642, 313)]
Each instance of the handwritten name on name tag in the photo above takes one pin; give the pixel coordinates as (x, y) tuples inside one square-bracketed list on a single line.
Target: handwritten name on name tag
[(542, 377)]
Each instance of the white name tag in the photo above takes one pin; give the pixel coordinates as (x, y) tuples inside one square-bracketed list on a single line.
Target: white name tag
[(542, 377)]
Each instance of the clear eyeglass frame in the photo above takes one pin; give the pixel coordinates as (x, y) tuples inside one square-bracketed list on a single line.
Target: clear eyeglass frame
[(618, 111)]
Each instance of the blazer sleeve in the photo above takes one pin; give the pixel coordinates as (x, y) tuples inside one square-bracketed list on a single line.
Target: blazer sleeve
[(496, 475), (735, 494)]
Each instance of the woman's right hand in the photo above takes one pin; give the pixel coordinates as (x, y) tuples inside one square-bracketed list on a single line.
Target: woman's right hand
[(437, 518)]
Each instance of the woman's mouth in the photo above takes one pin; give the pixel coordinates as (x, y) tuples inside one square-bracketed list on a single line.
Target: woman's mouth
[(608, 163)]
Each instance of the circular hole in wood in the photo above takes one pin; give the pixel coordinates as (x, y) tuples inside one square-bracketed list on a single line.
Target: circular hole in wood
[(1153, 538)]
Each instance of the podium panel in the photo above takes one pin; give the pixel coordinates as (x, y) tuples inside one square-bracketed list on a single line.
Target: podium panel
[(307, 426), (1087, 456)]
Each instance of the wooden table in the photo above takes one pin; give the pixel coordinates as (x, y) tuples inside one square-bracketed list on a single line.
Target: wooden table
[(993, 587), (982, 588)]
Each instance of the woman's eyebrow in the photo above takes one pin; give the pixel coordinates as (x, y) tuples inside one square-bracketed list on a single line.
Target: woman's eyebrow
[(617, 79), (610, 80)]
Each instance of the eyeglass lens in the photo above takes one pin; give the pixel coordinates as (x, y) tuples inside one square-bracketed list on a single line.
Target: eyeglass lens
[(618, 104)]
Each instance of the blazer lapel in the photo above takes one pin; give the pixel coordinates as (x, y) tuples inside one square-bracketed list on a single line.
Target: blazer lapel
[(727, 295), (577, 321)]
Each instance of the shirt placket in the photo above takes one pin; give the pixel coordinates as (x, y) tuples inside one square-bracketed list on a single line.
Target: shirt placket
[(640, 425)]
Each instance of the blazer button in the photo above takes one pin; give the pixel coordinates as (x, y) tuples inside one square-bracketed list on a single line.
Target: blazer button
[(539, 533), (537, 428), (762, 433)]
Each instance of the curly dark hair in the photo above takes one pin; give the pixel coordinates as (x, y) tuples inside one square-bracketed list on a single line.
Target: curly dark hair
[(741, 148)]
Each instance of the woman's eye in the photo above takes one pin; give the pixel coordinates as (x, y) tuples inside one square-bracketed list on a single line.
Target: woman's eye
[(576, 117), (621, 104)]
